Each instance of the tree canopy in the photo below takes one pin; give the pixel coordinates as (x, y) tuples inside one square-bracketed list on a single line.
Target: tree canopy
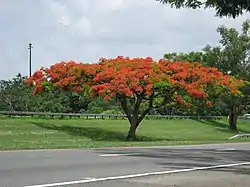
[(233, 54), (138, 82), (231, 8)]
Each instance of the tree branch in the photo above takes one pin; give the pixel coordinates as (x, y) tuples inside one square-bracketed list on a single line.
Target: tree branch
[(138, 98), (150, 106), (124, 106)]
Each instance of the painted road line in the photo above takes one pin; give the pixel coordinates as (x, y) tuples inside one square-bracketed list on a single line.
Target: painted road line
[(121, 154), (227, 149), (88, 178), (138, 175)]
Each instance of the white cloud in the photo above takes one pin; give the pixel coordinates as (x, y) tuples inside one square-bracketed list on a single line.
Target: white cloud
[(85, 30), (82, 27), (109, 5), (60, 13)]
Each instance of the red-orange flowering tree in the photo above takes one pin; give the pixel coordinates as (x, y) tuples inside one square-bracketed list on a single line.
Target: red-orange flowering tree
[(138, 81)]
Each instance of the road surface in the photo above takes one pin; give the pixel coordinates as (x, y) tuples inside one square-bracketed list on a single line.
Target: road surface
[(179, 166)]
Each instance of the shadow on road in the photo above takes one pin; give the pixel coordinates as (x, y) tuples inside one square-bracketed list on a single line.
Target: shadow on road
[(191, 158), (197, 157), (93, 133)]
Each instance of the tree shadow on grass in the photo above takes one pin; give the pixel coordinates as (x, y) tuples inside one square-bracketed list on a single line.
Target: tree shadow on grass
[(214, 123), (93, 133), (221, 126)]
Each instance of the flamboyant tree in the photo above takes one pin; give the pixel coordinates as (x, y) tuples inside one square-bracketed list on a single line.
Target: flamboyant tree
[(138, 82)]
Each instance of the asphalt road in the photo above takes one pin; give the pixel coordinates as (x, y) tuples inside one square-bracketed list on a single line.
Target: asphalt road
[(214, 165)]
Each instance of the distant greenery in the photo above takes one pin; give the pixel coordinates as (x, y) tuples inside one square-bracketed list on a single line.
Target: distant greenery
[(16, 96)]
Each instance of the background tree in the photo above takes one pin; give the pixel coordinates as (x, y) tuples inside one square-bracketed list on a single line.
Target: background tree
[(232, 57), (139, 84), (98, 106), (15, 95), (231, 8), (185, 57)]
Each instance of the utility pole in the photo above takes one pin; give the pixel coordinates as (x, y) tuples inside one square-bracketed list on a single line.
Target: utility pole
[(30, 47)]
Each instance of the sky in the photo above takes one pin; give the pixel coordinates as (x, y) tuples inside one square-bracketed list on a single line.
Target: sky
[(85, 30)]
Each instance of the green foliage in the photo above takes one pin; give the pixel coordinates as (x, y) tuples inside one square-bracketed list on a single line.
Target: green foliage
[(231, 8), (103, 105), (233, 54), (47, 85), (95, 110), (16, 96), (113, 111), (162, 84), (189, 57)]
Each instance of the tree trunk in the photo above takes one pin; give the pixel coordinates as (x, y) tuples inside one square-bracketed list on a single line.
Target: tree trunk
[(131, 136), (232, 118), (133, 113)]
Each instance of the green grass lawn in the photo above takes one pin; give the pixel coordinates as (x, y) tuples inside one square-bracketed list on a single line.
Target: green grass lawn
[(75, 133)]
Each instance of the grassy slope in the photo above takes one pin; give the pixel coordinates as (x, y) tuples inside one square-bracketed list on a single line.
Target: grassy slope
[(44, 133)]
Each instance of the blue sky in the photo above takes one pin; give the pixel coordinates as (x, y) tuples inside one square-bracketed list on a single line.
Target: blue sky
[(85, 30)]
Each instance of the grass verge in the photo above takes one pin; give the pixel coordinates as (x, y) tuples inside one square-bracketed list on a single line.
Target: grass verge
[(47, 134)]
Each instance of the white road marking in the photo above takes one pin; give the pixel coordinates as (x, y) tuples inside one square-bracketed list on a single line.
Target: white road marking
[(239, 135), (227, 149), (139, 175), (121, 154), (88, 178)]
